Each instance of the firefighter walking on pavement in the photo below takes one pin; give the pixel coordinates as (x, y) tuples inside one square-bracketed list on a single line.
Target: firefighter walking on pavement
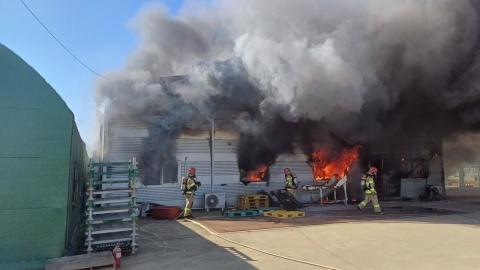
[(189, 186), (370, 192), (291, 182)]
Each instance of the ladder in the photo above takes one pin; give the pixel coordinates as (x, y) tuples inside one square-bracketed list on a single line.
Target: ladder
[(112, 209)]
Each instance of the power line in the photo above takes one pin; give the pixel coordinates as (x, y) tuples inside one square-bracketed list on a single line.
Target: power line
[(60, 42)]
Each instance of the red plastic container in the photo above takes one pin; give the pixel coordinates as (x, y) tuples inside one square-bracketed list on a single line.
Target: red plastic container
[(166, 212)]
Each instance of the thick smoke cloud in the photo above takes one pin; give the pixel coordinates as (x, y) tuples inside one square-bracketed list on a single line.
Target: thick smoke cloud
[(461, 150), (345, 72)]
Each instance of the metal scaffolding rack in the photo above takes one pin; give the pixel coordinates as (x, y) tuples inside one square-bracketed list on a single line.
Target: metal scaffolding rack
[(112, 210)]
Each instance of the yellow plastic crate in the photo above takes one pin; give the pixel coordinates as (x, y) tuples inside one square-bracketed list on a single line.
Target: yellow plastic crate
[(284, 214)]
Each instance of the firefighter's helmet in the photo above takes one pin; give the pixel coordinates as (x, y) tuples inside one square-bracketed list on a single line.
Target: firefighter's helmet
[(373, 170), (287, 170), (192, 171)]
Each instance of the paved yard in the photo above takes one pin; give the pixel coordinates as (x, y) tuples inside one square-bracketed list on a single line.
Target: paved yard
[(411, 235)]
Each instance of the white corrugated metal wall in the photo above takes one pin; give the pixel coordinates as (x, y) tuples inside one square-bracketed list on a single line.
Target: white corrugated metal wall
[(124, 141)]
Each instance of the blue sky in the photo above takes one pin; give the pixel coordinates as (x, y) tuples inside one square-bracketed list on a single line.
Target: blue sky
[(95, 31)]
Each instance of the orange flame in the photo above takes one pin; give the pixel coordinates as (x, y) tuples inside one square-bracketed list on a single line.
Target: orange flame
[(325, 165), (257, 175)]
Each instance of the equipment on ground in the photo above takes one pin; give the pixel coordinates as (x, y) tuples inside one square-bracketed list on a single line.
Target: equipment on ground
[(271, 201), (214, 200), (333, 183), (433, 193), (286, 200)]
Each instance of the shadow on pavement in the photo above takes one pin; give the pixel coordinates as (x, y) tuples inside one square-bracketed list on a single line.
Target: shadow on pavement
[(172, 245)]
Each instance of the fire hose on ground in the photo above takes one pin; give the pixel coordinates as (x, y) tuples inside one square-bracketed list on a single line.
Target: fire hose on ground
[(262, 251), (256, 249)]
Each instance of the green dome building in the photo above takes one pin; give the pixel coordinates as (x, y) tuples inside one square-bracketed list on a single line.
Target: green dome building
[(43, 166)]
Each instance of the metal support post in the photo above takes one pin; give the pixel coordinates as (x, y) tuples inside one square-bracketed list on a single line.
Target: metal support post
[(321, 197), (134, 204), (213, 155)]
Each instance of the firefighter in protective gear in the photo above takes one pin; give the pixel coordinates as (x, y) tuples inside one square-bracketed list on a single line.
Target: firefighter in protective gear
[(190, 188), (290, 182), (370, 192)]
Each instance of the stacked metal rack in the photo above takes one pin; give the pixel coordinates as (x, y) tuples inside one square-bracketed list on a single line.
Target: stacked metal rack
[(112, 206)]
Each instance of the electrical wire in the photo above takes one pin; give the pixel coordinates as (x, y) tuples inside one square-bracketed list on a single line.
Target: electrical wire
[(262, 251), (60, 42)]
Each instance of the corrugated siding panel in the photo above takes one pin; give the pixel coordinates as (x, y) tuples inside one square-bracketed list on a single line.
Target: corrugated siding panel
[(125, 145), (297, 167), (435, 166), (203, 167), (226, 168), (129, 121), (222, 146), (193, 146), (435, 179)]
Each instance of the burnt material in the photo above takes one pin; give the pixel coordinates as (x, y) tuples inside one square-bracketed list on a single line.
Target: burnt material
[(271, 201), (259, 175), (286, 200)]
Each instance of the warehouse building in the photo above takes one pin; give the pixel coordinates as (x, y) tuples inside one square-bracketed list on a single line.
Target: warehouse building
[(408, 163)]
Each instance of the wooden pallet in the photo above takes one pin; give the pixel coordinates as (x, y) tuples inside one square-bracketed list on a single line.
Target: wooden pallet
[(253, 197), (257, 202), (252, 200), (246, 213), (284, 214), (100, 260), (252, 205)]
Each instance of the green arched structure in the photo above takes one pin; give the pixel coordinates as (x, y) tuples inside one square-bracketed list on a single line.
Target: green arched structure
[(42, 166)]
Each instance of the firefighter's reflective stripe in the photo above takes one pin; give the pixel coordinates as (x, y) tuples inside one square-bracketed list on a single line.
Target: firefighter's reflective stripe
[(289, 181), (371, 198), (371, 184), (190, 186)]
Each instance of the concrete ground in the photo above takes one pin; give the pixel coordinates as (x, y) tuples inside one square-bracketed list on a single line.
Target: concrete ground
[(411, 235)]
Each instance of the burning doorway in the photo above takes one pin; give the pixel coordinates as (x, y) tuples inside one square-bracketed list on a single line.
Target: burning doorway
[(261, 174), (326, 164)]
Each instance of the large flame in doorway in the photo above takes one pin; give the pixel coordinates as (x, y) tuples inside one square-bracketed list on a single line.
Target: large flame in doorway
[(325, 164)]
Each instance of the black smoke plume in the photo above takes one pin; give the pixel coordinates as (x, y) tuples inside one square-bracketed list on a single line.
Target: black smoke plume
[(338, 72)]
